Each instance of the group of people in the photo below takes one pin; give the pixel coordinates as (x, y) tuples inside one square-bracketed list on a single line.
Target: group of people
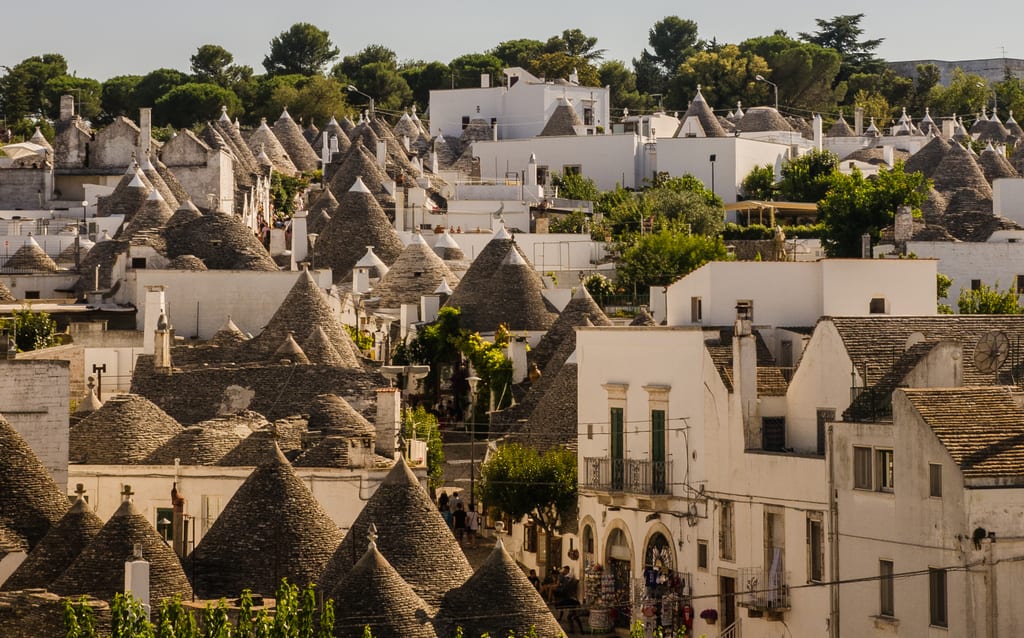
[(557, 585), (465, 523)]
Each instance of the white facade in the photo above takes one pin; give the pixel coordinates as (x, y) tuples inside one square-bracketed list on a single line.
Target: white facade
[(798, 293), (34, 400), (735, 157), (519, 104), (967, 263), (609, 160)]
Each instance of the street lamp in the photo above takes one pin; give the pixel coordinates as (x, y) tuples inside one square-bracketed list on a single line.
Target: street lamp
[(760, 78), (78, 237), (312, 237), (353, 89), (473, 381), (163, 525)]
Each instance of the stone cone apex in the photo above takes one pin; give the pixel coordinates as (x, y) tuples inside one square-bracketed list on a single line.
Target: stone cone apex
[(30, 258), (229, 335), (290, 351), (31, 502), (295, 143), (513, 297), (360, 221), (272, 528), (58, 549), (305, 307), (155, 213), (579, 309), (417, 272), (320, 351), (99, 570), (359, 161), (411, 534), (269, 151), (375, 595), (90, 403), (496, 600), (127, 197), (330, 412), (959, 170), (474, 292), (377, 268), (185, 213), (5, 294), (124, 431), (643, 318)]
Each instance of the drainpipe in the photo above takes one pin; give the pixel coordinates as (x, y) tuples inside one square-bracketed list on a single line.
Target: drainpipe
[(992, 600), (833, 545)]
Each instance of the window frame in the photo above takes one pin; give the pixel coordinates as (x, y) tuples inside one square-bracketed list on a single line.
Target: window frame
[(886, 588), (815, 547), (938, 598), (935, 480), (703, 555), (886, 468), (727, 531), (862, 456)]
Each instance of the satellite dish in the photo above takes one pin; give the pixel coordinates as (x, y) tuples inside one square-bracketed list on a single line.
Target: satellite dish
[(991, 351)]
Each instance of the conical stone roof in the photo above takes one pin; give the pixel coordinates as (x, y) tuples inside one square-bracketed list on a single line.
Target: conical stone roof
[(195, 445), (447, 248), (995, 165), (258, 447), (5, 294), (31, 501), (127, 197), (185, 213), (513, 298), (272, 528), (927, 159), (30, 258), (359, 163), (99, 570), (840, 128), (331, 412), (405, 126), (304, 307), (229, 335), (552, 423), (374, 594), (359, 222), (311, 132), (699, 108), (762, 118), (959, 170), (171, 182), (563, 121), (643, 318), (497, 600), (58, 549), (291, 138), (263, 139), (416, 272), (73, 254), (154, 214), (290, 351), (411, 535), (320, 351), (126, 430), (580, 308), (470, 294), (331, 450), (347, 125), (187, 262), (222, 241), (157, 180), (321, 211)]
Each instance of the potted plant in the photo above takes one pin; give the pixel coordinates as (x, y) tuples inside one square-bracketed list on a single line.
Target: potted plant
[(710, 616)]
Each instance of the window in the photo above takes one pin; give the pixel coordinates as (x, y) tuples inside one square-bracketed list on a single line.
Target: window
[(530, 537), (138, 263), (745, 309), (877, 306), (590, 431), (726, 536), (773, 433), (617, 448), (542, 175), (862, 479), (815, 547), (465, 122), (885, 471), (935, 480), (975, 284), (702, 554), (696, 310), (937, 598), (825, 416), (658, 474), (588, 115), (887, 599), (572, 169), (32, 294)]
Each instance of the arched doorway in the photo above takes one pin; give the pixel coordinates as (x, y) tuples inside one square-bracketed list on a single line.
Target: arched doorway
[(664, 587), (617, 583)]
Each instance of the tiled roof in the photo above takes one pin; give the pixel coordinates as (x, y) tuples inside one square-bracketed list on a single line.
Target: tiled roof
[(31, 501), (296, 145), (497, 600), (982, 428), (411, 535), (416, 272), (359, 222), (272, 528), (195, 445), (331, 412), (126, 430), (58, 549), (579, 309), (99, 570), (263, 139), (928, 158), (30, 258)]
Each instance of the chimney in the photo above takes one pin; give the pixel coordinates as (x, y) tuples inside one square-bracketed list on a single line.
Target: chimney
[(948, 127), (382, 153), (325, 149), (178, 530), (405, 143), (903, 227), (744, 373), (430, 306), (389, 412), (433, 162), (155, 308), (67, 107), (409, 313), (516, 352), (865, 246), (145, 132), (136, 577), (816, 126), (485, 80), (162, 347), (494, 132), (858, 120), (531, 171), (887, 155), (300, 238), (360, 280)]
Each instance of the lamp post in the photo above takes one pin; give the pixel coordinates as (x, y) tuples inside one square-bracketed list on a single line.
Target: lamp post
[(312, 237), (712, 159), (78, 237), (473, 381), (352, 89), (163, 525), (760, 78)]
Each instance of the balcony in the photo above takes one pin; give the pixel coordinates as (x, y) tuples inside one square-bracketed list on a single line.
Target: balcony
[(632, 476), (765, 590)]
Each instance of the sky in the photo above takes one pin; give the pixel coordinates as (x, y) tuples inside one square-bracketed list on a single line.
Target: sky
[(104, 38)]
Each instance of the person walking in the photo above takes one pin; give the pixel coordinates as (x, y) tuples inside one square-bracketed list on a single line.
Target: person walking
[(472, 524), (446, 513), (459, 523)]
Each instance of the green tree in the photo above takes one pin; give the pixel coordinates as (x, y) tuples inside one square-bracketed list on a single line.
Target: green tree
[(622, 82), (560, 65), (672, 41), (942, 285), (185, 105), (155, 85), (575, 186), (843, 34), (213, 64), (23, 86), (875, 106), (303, 49), (804, 72), (660, 258), (350, 66), (424, 426), (34, 330), (388, 88), (424, 77), (808, 177), (989, 301), (725, 76), (315, 97), (520, 481), (521, 52), (118, 96), (759, 183), (576, 44), (86, 91), (466, 69), (854, 206)]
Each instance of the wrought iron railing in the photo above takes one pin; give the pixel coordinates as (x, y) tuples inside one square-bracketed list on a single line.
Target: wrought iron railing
[(634, 476), (765, 588)]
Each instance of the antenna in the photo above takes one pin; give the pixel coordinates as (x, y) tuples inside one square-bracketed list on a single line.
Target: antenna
[(991, 351)]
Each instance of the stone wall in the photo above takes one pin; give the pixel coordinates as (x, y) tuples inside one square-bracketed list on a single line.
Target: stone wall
[(74, 354), (275, 391), (34, 399), (22, 187), (36, 614), (114, 145)]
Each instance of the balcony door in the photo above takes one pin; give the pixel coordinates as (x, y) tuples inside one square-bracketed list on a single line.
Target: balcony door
[(618, 446), (658, 478)]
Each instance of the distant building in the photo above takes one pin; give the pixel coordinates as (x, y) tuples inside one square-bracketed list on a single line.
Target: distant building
[(992, 69)]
